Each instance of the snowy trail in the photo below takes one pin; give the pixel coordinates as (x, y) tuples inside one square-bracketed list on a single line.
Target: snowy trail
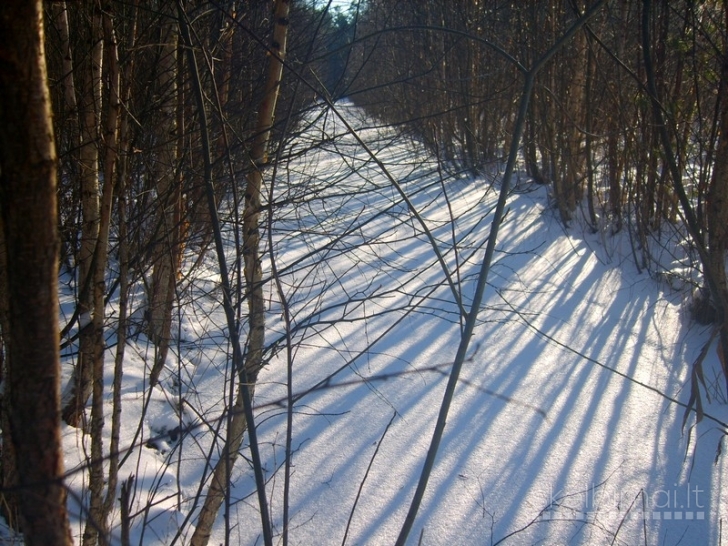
[(603, 439), (539, 440)]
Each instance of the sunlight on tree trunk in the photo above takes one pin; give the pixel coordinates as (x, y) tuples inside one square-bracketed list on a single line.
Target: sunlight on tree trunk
[(253, 277), (95, 532), (89, 112), (123, 257), (165, 254), (29, 214)]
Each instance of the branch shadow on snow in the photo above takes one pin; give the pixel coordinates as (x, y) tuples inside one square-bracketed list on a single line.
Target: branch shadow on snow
[(542, 445)]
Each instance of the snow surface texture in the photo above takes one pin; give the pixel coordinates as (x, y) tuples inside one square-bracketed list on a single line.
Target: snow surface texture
[(542, 445)]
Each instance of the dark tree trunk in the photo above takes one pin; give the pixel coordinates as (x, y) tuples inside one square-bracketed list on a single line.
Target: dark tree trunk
[(717, 213), (28, 205)]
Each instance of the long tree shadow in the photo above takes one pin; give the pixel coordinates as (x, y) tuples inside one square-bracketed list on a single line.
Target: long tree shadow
[(542, 443)]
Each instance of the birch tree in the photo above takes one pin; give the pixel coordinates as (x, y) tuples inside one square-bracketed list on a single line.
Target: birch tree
[(166, 245), (89, 115), (254, 285)]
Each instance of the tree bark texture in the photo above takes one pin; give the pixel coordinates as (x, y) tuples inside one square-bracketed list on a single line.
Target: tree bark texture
[(96, 528), (717, 214), (89, 112), (8, 468), (166, 251), (253, 278), (28, 205), (251, 221)]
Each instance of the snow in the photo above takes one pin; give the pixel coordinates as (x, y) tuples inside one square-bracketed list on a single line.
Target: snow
[(556, 434)]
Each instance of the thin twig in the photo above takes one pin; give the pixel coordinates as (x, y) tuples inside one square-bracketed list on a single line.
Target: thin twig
[(364, 479)]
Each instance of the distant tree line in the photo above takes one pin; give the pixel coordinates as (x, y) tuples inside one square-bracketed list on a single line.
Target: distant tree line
[(630, 120)]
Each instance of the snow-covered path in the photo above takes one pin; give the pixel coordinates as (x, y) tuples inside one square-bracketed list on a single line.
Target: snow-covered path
[(541, 441)]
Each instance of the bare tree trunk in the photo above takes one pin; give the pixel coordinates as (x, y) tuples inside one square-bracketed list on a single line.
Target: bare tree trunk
[(251, 220), (66, 122), (9, 477), (588, 137), (95, 524), (253, 276), (573, 119), (123, 146), (614, 172), (60, 11), (166, 253), (80, 385), (717, 212), (29, 214)]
